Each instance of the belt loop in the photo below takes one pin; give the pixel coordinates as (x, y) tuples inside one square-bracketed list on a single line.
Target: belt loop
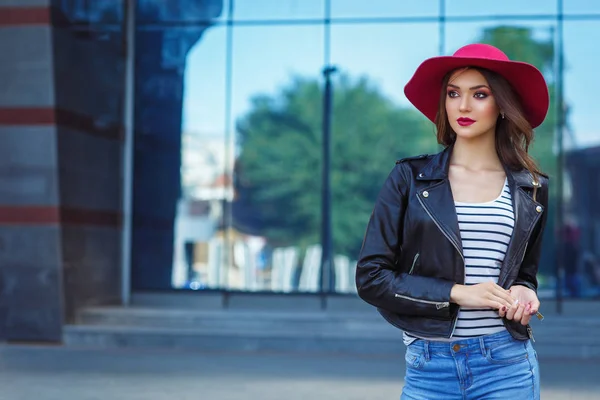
[(426, 350), (482, 345)]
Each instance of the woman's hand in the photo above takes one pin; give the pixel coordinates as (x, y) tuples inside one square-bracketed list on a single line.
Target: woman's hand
[(483, 295), (525, 304)]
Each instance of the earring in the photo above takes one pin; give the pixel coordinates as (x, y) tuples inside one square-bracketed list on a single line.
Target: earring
[(502, 115)]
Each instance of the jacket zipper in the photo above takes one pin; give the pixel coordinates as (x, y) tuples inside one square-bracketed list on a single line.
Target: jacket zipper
[(457, 249), (440, 228), (530, 333), (413, 263), (438, 305)]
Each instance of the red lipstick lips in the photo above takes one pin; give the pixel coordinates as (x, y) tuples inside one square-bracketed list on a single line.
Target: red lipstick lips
[(462, 121)]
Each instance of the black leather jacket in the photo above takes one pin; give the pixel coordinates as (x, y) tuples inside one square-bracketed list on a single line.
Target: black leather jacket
[(412, 253)]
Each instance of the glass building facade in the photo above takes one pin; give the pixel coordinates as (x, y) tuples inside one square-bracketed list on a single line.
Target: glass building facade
[(240, 107)]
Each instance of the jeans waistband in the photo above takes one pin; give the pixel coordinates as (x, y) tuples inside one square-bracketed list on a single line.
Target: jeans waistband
[(476, 344)]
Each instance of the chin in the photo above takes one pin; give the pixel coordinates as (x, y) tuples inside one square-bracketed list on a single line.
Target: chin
[(468, 132)]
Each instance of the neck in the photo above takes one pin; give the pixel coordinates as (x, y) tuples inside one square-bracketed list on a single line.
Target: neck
[(476, 154)]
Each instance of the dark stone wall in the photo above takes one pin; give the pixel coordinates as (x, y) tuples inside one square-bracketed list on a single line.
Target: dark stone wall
[(161, 51), (89, 67)]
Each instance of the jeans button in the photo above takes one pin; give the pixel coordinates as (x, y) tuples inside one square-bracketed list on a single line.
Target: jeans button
[(456, 347)]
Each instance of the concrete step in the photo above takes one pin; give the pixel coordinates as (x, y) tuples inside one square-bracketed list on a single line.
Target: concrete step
[(290, 331), (226, 319), (227, 340)]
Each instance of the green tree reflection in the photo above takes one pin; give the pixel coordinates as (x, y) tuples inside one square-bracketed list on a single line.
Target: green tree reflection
[(279, 165)]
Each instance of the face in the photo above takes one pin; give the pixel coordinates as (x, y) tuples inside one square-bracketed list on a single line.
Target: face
[(471, 108)]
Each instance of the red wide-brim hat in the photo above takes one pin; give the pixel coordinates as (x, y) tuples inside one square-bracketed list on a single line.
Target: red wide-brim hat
[(424, 88)]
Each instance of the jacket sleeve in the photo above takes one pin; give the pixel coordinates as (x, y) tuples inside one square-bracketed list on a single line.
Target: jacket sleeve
[(528, 270), (378, 278)]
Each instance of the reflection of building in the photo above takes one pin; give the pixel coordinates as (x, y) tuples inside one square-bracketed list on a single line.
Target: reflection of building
[(584, 168), (204, 171), (583, 214), (200, 211), (208, 254)]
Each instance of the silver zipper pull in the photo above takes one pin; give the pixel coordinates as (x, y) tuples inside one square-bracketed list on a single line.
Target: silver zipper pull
[(530, 332), (413, 264), (445, 304)]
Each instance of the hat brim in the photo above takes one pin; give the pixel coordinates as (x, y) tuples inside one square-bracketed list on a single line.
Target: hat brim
[(424, 88)]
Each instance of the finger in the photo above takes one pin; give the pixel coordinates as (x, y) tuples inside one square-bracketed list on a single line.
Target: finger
[(493, 304), (519, 312), (526, 314), (504, 295), (535, 306), (502, 311), (501, 301), (510, 314)]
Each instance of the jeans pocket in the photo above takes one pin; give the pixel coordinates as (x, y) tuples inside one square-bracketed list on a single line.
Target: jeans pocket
[(510, 352), (415, 358)]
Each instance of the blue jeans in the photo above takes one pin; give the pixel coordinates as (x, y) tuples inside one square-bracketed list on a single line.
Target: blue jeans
[(488, 367)]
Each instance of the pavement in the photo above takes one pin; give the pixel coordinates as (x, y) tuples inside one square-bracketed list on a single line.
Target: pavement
[(29, 372)]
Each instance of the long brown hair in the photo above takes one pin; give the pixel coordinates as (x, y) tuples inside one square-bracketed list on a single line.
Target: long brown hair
[(514, 133)]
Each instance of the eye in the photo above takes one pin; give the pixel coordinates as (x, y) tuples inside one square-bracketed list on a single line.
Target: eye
[(452, 93), (481, 95)]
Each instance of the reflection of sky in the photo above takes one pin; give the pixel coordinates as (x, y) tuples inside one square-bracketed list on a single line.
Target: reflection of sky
[(264, 57)]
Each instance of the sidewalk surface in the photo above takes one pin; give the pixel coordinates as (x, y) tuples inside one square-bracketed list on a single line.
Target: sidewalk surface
[(67, 373)]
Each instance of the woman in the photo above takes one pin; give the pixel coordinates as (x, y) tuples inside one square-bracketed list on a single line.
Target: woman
[(451, 251)]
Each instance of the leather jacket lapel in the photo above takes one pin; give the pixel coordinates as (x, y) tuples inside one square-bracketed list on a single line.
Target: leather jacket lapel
[(436, 198), (526, 216)]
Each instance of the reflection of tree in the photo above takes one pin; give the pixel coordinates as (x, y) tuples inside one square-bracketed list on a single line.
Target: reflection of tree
[(278, 174)]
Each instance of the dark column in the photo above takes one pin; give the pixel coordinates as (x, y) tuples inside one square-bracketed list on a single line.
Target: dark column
[(161, 49)]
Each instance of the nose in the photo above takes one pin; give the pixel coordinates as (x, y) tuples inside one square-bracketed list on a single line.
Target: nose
[(465, 104)]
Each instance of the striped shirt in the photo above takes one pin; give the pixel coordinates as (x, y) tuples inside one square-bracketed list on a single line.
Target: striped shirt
[(485, 230)]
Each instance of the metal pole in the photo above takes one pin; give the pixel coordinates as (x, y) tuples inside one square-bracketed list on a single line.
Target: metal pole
[(442, 31), (559, 273), (129, 8), (327, 277), (225, 261)]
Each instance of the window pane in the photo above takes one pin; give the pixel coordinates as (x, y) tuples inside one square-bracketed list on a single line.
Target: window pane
[(383, 8), (276, 115), (533, 42), (373, 124), (470, 8), (278, 9), (581, 229), (581, 7)]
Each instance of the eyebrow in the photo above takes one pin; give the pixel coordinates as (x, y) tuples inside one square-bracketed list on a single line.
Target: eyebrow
[(472, 88)]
